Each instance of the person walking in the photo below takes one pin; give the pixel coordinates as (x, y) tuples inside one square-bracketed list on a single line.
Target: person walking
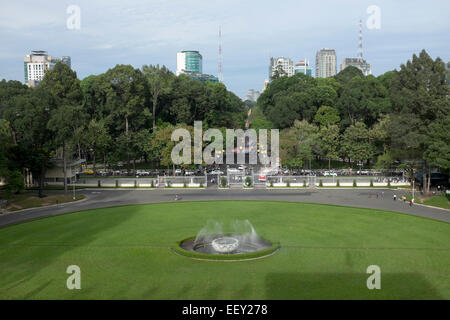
[(395, 197)]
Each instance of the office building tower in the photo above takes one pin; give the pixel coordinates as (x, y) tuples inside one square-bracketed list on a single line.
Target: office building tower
[(326, 63), (189, 61), (303, 67)]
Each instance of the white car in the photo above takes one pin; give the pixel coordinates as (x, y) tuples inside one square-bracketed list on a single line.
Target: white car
[(329, 174), (189, 173), (178, 171), (242, 167), (216, 172)]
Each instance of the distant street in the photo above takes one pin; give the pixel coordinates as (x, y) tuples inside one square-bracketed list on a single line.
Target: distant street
[(99, 198)]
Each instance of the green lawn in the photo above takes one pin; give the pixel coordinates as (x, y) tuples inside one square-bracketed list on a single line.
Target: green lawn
[(27, 200), (441, 201), (124, 253)]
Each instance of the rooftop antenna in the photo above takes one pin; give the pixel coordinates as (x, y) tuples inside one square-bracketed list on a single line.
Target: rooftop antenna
[(360, 49), (220, 71)]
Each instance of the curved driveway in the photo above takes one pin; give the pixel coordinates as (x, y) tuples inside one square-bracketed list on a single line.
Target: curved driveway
[(98, 198)]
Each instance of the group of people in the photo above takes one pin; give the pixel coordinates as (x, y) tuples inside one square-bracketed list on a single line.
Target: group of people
[(411, 201)]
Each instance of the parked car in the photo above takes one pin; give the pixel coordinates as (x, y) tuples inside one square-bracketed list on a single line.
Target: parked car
[(178, 171), (329, 174), (189, 173), (217, 172)]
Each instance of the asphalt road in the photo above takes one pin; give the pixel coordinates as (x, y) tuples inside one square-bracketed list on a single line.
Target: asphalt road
[(99, 198)]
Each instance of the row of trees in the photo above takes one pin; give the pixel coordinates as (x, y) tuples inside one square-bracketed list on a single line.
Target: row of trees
[(401, 118), (122, 115)]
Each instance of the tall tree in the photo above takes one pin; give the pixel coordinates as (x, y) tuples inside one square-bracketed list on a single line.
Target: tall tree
[(419, 95), (160, 82)]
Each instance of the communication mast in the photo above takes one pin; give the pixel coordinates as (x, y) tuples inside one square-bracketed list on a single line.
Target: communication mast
[(220, 71), (360, 49)]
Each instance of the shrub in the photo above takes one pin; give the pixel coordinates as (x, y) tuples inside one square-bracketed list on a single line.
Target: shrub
[(320, 183), (135, 183), (354, 183), (271, 182), (304, 183), (153, 183), (248, 181), (184, 184), (169, 184), (371, 182), (117, 183), (337, 183), (99, 184), (389, 182), (288, 183), (201, 183), (15, 183), (223, 182)]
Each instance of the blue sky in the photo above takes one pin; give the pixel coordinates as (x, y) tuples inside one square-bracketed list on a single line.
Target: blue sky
[(151, 32)]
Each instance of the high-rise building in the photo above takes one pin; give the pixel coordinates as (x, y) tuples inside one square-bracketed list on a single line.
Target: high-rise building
[(265, 85), (361, 64), (284, 66), (37, 63), (189, 61), (326, 63), (303, 67), (252, 95)]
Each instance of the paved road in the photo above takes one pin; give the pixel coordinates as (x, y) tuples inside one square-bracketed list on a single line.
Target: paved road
[(98, 198)]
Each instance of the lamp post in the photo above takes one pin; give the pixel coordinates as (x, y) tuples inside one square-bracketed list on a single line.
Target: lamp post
[(73, 183)]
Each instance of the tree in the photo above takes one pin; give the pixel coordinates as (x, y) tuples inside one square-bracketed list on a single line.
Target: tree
[(159, 81), (419, 95), (64, 88), (438, 144), (97, 139), (356, 144), (28, 116), (327, 116), (330, 140), (64, 122), (300, 142), (124, 90)]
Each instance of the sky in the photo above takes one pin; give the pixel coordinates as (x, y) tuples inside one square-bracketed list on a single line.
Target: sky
[(152, 32)]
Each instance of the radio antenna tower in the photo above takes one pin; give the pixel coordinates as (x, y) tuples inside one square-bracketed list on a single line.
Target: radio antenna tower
[(360, 49), (220, 71)]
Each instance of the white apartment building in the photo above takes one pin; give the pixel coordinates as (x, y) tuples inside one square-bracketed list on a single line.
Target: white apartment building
[(284, 64), (37, 63)]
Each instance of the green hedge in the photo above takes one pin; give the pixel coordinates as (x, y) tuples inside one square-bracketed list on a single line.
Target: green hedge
[(242, 256)]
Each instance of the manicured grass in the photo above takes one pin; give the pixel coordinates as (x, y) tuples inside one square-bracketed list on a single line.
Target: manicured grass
[(438, 201), (26, 200), (441, 201), (125, 253)]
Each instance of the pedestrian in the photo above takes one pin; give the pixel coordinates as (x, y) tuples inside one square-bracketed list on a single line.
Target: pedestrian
[(377, 195), (410, 203), (382, 194), (395, 197)]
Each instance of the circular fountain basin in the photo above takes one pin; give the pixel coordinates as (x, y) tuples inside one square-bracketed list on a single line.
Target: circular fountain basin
[(225, 247), (225, 244)]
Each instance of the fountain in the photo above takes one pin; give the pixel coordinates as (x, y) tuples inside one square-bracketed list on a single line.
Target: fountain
[(217, 238)]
